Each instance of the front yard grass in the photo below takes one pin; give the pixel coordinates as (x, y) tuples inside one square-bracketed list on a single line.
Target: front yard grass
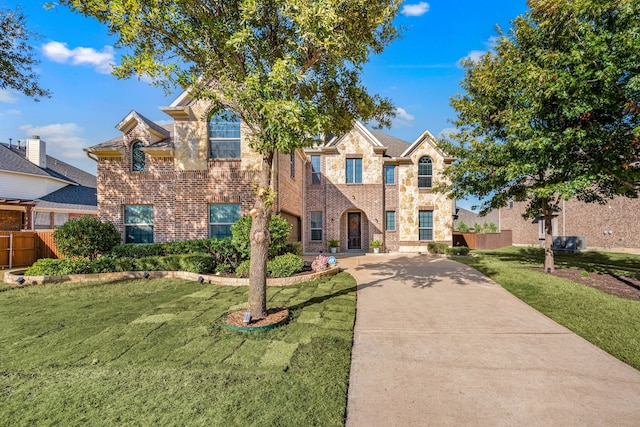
[(611, 323), (157, 352)]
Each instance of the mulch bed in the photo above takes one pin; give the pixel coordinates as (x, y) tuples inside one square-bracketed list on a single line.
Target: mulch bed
[(625, 287), (274, 315)]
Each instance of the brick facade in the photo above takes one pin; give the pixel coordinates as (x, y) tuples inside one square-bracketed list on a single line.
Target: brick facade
[(606, 227), (180, 181)]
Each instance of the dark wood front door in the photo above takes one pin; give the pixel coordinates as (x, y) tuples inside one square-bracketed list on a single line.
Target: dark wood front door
[(354, 231)]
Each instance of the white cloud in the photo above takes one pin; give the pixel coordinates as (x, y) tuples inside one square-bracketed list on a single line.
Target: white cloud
[(63, 139), (8, 96), (417, 9), (447, 132), (403, 118), (102, 61), (476, 55)]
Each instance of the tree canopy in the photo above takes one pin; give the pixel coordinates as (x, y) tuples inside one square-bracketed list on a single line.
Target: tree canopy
[(290, 69), (553, 111), (17, 58)]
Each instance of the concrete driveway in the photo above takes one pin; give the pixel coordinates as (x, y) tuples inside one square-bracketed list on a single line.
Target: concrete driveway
[(438, 344)]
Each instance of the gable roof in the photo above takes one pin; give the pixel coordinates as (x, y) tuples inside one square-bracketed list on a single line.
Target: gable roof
[(395, 146), (14, 159), (429, 139)]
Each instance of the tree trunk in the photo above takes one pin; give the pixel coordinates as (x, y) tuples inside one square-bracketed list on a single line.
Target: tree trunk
[(260, 239), (549, 264)]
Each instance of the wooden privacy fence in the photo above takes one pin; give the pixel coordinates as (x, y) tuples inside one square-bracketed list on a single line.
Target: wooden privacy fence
[(483, 240), (23, 248)]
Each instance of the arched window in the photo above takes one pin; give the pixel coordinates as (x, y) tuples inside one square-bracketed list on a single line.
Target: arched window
[(425, 172), (137, 157), (224, 136)]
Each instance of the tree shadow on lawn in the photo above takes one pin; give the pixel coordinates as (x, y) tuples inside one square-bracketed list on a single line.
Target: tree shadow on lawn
[(592, 261), (419, 271)]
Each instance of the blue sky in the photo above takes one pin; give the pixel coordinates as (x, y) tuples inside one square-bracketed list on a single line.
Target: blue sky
[(419, 72)]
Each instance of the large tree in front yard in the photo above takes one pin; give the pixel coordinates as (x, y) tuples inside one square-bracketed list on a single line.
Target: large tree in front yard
[(553, 112), (290, 69)]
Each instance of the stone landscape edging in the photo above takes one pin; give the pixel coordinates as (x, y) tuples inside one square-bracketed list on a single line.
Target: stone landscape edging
[(13, 276)]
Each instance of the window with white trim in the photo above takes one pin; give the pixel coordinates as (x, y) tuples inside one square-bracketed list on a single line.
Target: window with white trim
[(138, 223), (316, 226), (221, 217), (354, 171), (224, 136), (425, 225), (425, 172)]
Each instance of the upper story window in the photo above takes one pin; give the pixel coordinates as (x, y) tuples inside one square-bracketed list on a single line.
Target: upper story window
[(390, 174), (315, 170), (425, 172), (137, 157), (224, 136), (354, 171)]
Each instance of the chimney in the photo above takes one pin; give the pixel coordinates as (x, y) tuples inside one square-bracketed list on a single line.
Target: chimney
[(36, 151)]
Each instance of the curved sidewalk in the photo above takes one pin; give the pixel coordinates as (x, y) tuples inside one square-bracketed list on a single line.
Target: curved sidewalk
[(438, 344)]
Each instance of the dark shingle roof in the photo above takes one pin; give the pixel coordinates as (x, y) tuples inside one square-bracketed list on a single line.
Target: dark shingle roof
[(71, 197), (13, 159), (395, 146)]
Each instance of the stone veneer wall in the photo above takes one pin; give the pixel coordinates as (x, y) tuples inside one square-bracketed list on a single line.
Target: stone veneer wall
[(412, 199)]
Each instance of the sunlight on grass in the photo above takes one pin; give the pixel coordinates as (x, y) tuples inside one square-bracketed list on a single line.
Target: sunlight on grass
[(611, 323), (157, 352)]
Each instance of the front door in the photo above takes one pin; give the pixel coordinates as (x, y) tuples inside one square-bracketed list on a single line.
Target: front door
[(354, 234)]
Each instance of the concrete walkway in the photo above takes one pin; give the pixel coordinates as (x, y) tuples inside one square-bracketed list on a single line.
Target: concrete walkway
[(438, 344)]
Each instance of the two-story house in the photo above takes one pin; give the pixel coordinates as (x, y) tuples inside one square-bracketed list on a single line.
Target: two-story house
[(38, 191), (193, 179)]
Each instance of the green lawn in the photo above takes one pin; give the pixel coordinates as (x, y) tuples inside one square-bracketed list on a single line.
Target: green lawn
[(157, 352), (612, 323)]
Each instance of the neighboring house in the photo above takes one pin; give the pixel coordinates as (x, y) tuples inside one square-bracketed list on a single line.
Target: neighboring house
[(38, 191), (193, 179), (471, 218), (612, 226)]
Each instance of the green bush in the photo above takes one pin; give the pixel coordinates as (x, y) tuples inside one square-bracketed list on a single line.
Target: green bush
[(197, 263), (59, 267), (279, 230), (490, 227), (104, 264), (223, 268), (293, 248), (222, 250), (436, 247), (285, 265), (86, 237), (458, 250), (463, 227), (477, 227), (242, 270)]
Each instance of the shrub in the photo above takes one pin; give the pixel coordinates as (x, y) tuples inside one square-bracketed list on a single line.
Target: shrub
[(279, 230), (285, 265), (436, 247), (320, 263), (59, 267), (223, 268), (458, 250), (294, 248), (477, 227), (242, 270), (196, 263), (104, 264), (463, 227), (86, 237), (490, 228)]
